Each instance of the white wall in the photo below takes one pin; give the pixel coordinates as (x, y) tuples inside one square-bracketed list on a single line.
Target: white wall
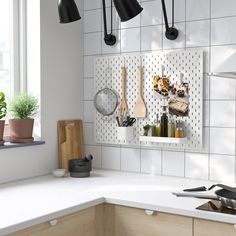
[(61, 94), (205, 24)]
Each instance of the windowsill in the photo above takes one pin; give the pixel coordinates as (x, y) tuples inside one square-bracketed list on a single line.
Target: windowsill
[(18, 145)]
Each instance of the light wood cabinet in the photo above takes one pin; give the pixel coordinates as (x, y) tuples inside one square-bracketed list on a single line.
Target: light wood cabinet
[(83, 223), (212, 228), (127, 221), (115, 220)]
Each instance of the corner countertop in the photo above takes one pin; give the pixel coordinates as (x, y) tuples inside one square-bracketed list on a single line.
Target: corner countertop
[(29, 202)]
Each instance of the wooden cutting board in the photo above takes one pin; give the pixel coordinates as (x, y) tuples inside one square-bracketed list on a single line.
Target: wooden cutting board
[(70, 141)]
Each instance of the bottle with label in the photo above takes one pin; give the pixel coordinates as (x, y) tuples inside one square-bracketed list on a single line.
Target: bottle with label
[(157, 132), (164, 123)]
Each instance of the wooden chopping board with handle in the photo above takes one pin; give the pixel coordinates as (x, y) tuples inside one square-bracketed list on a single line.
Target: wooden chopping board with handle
[(70, 141)]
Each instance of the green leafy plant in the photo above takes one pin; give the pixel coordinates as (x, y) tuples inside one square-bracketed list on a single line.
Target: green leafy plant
[(24, 106), (3, 105)]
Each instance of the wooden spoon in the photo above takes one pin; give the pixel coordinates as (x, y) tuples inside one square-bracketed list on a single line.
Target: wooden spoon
[(140, 110), (123, 107)]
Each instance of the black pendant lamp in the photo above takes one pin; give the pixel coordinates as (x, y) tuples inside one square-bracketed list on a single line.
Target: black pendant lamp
[(127, 9), (68, 11)]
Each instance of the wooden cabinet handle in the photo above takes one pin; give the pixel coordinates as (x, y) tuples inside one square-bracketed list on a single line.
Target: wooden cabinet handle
[(53, 222), (149, 212)]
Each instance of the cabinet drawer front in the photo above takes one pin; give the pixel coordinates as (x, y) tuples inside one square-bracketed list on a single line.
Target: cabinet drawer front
[(81, 223), (134, 222), (212, 228)]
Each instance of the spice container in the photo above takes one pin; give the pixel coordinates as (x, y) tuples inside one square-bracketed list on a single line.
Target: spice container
[(179, 133)]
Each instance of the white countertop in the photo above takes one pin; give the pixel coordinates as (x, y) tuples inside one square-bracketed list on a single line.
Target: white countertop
[(29, 202)]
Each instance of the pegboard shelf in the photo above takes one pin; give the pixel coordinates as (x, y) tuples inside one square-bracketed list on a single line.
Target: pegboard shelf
[(163, 140)]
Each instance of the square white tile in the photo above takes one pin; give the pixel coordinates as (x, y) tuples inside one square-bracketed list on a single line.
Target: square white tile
[(88, 134), (173, 163), (222, 88), (106, 49), (130, 159), (88, 89), (91, 4), (179, 42), (88, 111), (222, 168), (222, 31), (221, 8), (151, 38), (92, 21), (197, 10), (92, 43), (111, 158), (88, 66), (196, 165), (152, 13), (96, 152), (222, 141), (130, 40), (151, 161), (222, 113), (223, 58), (198, 33)]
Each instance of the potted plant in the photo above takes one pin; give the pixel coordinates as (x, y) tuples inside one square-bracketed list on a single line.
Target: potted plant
[(3, 112), (23, 108)]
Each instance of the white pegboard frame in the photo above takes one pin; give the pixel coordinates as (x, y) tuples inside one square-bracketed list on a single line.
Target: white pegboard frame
[(188, 62)]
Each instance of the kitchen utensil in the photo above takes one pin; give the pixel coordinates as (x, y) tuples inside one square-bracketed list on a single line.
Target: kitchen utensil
[(118, 121), (70, 141), (203, 188), (123, 107), (80, 168), (106, 101), (140, 107), (129, 121), (196, 195)]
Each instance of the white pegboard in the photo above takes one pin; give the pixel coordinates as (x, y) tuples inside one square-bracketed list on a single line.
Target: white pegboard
[(108, 74)]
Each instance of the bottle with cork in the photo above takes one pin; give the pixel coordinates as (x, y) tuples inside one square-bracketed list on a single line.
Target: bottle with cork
[(164, 121)]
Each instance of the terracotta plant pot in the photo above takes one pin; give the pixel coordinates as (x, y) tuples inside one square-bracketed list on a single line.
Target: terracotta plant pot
[(21, 131), (2, 124)]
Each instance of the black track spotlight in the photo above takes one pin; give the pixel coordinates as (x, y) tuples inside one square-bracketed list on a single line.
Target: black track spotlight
[(127, 9), (68, 11)]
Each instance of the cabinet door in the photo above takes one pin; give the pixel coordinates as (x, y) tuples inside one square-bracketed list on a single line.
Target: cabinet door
[(135, 222), (82, 223), (212, 228)]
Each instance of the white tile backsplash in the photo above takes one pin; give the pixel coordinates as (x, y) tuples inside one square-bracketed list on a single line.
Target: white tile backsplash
[(222, 113), (130, 159), (222, 168), (130, 40), (151, 38), (152, 13), (198, 33), (111, 158), (197, 10), (151, 161), (173, 163), (222, 141), (196, 165), (204, 24)]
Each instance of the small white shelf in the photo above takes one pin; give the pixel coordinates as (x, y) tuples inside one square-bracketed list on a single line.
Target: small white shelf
[(163, 139)]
